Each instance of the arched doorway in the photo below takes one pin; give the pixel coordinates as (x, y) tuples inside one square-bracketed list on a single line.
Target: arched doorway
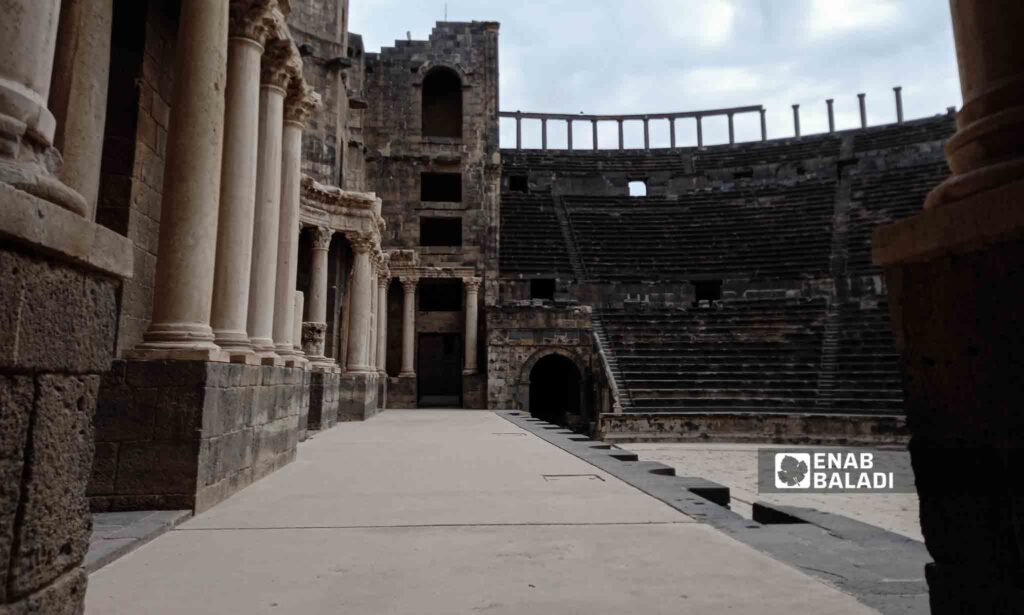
[(442, 104), (554, 389)]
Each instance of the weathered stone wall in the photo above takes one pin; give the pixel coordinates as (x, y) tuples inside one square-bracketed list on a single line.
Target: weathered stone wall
[(172, 435), (57, 327), (398, 153), (138, 114), (519, 335), (324, 399)]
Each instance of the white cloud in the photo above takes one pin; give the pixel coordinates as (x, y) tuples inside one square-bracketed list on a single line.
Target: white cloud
[(705, 23), (830, 17)]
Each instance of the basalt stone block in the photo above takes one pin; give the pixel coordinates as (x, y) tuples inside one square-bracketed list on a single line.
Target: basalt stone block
[(16, 397), (54, 317), (65, 596), (155, 468), (53, 535), (323, 400)]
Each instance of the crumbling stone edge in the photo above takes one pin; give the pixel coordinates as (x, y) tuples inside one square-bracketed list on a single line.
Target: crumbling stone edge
[(862, 560)]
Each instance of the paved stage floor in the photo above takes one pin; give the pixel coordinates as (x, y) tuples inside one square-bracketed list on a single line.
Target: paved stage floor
[(442, 512)]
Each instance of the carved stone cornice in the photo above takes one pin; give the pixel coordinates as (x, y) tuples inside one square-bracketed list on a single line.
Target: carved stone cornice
[(251, 19), (335, 200), (404, 258), (302, 101), (322, 238)]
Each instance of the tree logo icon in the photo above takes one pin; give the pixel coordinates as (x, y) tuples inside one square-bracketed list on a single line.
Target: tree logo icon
[(792, 470)]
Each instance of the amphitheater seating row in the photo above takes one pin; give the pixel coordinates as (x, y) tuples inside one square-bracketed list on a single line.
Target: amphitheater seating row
[(763, 232), (867, 374), (883, 197), (531, 238), (757, 356)]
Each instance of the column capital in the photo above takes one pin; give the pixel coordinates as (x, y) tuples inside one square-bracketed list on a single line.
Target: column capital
[(322, 238), (409, 284), (362, 243), (301, 102), (251, 19), (472, 284), (280, 62)]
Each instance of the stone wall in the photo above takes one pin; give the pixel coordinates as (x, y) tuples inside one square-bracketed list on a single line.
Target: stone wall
[(517, 336), (186, 435), (57, 325), (324, 398), (133, 158)]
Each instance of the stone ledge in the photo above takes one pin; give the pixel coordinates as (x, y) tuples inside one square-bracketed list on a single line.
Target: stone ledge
[(41, 224), (965, 226)]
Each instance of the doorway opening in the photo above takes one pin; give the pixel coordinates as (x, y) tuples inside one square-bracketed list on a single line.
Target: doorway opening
[(555, 389), (439, 370)]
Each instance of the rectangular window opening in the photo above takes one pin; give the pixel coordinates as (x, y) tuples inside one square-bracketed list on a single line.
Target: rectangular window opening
[(440, 232), (518, 183), (638, 188), (441, 187), (440, 295), (542, 289), (707, 291)]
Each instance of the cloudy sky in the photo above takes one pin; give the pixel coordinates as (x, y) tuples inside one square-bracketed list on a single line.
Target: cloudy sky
[(650, 56)]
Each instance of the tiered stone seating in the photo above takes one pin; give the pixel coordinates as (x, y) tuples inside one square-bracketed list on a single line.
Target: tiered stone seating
[(747, 155), (531, 238), (880, 198), (589, 161), (867, 377), (938, 128), (756, 231), (756, 356)]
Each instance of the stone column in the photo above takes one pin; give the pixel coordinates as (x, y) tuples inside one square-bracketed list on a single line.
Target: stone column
[(373, 322), (362, 289), (78, 98), (300, 304), (314, 331), (346, 319), (183, 289), (382, 322), (247, 34), (28, 34), (953, 274), (299, 105), (472, 286), (263, 277), (408, 327)]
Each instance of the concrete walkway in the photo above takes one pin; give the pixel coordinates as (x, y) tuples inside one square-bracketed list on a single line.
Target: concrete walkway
[(440, 512)]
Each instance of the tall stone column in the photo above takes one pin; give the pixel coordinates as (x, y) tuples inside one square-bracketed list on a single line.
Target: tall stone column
[(28, 35), (247, 34), (408, 327), (346, 319), (263, 277), (299, 105), (78, 98), (374, 320), (953, 273), (382, 323), (300, 304), (362, 290), (183, 289), (472, 287), (314, 331)]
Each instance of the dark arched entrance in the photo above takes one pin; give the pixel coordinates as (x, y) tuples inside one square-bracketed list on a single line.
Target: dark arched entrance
[(554, 389), (442, 104)]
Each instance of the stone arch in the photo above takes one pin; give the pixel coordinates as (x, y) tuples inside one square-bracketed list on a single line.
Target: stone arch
[(527, 376), (442, 103)]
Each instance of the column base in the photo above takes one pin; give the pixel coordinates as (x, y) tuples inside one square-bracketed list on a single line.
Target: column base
[(469, 372), (407, 375), (244, 358), (29, 163), (156, 352)]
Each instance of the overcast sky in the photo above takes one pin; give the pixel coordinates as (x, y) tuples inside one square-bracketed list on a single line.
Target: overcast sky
[(651, 56)]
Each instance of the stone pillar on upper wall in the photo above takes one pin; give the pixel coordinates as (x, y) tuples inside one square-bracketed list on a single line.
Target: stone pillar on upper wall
[(955, 293)]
